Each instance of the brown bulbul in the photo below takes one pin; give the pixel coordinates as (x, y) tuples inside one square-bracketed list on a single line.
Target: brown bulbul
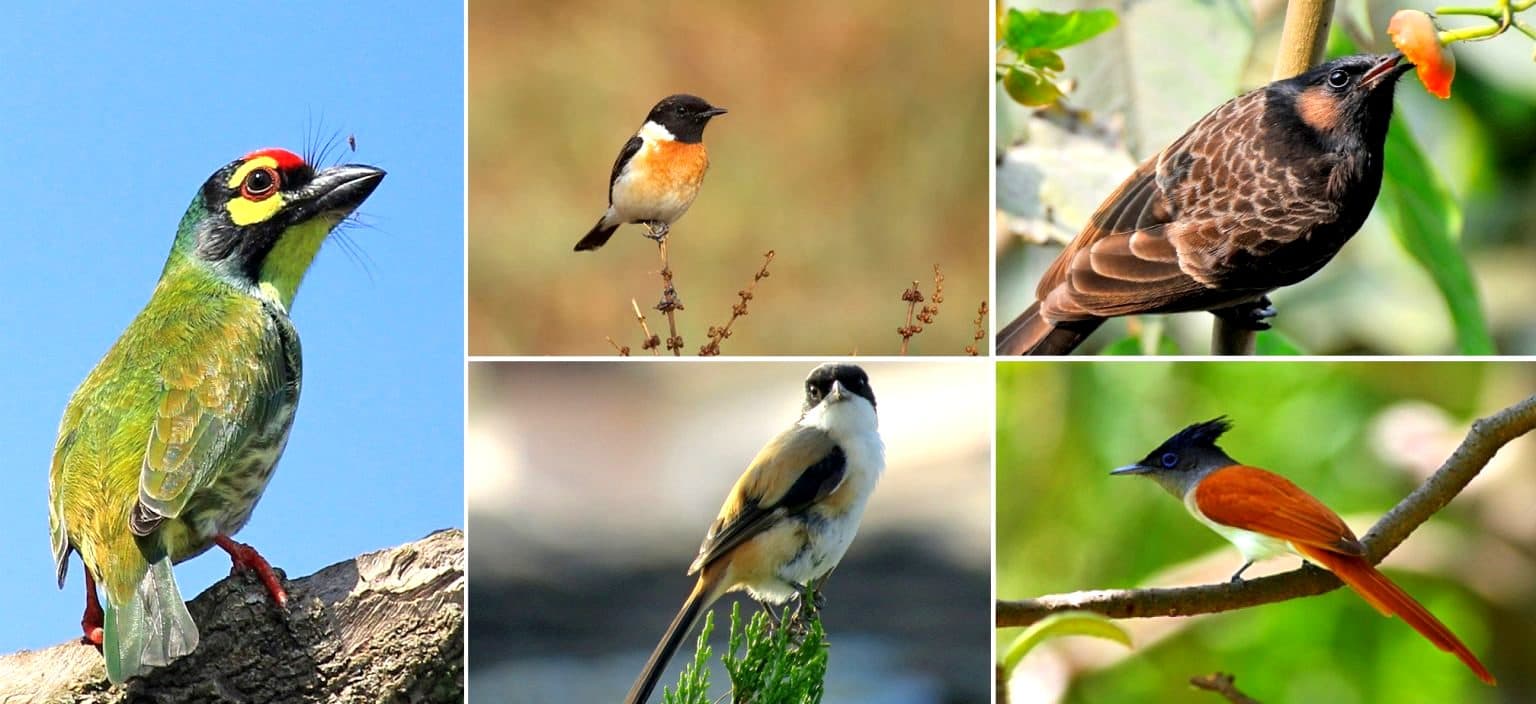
[(1258, 194)]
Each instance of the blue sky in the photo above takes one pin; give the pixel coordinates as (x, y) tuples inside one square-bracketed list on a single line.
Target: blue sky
[(112, 118)]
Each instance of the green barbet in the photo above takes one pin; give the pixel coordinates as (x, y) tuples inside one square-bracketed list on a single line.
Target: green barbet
[(167, 445)]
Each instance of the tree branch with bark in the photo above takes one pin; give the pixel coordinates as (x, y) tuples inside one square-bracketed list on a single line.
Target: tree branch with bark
[(387, 626)]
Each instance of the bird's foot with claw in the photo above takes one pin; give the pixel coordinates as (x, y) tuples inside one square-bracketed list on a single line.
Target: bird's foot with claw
[(245, 557), (657, 230), (1249, 316)]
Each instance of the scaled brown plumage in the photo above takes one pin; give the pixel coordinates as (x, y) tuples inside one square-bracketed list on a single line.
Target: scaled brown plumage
[(1258, 194)]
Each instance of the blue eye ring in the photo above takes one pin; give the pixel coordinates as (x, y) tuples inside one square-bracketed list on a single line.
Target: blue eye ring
[(1169, 460)]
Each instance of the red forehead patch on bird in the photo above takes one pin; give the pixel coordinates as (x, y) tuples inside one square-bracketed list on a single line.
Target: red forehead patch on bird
[(285, 159)]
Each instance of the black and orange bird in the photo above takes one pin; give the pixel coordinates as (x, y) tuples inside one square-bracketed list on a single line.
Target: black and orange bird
[(1259, 194), (659, 170), (1264, 515)]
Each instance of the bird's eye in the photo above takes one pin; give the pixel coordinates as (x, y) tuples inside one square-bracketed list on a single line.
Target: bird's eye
[(1338, 79), (1170, 459), (259, 184)]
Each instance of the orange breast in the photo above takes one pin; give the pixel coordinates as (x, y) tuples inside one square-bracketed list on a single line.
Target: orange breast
[(675, 167)]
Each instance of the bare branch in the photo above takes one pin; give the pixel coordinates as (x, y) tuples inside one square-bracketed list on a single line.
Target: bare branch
[(1223, 684), (718, 334), (1486, 437)]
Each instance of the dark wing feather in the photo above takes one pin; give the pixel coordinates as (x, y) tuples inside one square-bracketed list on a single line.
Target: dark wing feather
[(755, 514), (631, 148), (1127, 259)]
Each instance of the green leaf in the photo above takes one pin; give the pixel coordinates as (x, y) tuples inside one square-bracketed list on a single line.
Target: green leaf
[(1272, 343), (1029, 87), (1044, 59), (1071, 623), (1427, 223), (1042, 29)]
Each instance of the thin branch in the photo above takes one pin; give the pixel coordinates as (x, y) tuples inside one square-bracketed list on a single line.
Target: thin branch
[(1304, 36), (670, 303), (1223, 684), (1486, 437), (913, 297), (719, 334), (652, 342), (623, 350), (927, 313), (981, 330)]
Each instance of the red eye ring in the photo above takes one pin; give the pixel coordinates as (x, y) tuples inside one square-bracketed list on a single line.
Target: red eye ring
[(259, 184)]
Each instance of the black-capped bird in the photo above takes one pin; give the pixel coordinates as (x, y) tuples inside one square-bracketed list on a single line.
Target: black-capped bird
[(659, 170), (792, 514), (1265, 515), (1258, 194)]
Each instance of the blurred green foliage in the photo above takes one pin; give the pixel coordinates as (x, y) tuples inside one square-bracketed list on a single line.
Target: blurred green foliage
[(1064, 525), (1442, 266), (855, 147)]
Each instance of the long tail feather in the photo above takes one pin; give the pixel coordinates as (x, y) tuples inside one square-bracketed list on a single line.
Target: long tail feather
[(704, 594), (151, 629), (1032, 334), (1391, 600)]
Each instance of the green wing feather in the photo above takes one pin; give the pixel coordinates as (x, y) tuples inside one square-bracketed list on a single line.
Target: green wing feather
[(209, 403)]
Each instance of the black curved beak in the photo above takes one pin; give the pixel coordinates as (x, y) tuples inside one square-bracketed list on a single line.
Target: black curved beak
[(337, 191), (715, 111)]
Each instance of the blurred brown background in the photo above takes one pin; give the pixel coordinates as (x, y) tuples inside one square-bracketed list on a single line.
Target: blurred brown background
[(856, 147), (590, 486)]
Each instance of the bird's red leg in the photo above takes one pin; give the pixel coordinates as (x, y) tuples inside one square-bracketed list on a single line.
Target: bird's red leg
[(94, 619), (245, 557)]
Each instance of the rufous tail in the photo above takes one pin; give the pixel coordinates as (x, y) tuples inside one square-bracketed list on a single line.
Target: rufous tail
[(1390, 600)]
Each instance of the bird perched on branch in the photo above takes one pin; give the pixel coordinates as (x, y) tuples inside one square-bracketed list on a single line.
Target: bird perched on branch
[(167, 445), (792, 514), (658, 172), (1259, 194), (1265, 515)]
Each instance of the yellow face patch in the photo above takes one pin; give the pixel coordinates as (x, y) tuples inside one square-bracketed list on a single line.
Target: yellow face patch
[(242, 209)]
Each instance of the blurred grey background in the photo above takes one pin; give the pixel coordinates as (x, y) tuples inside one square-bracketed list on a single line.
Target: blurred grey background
[(590, 486)]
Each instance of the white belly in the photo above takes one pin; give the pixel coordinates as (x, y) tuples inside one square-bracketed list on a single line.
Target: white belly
[(1253, 546)]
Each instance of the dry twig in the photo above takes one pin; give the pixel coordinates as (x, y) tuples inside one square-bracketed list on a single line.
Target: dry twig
[(670, 303), (981, 330), (1223, 684), (1483, 440), (652, 342), (927, 313), (719, 334)]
